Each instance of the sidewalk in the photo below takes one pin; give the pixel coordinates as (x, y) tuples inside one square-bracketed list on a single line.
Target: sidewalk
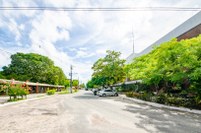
[(3, 99), (162, 106)]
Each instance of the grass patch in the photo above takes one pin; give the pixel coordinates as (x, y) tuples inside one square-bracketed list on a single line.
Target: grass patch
[(15, 100), (76, 90), (64, 92)]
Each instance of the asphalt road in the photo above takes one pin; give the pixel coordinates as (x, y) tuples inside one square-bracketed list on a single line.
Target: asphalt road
[(84, 113)]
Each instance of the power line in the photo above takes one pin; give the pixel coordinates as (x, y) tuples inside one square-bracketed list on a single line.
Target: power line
[(103, 8), (5, 51)]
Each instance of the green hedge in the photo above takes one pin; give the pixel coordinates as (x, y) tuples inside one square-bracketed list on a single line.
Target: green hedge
[(166, 99), (51, 92)]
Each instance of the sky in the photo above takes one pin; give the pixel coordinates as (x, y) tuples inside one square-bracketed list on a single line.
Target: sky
[(79, 38)]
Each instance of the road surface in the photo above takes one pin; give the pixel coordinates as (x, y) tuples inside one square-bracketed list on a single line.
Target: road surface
[(84, 113)]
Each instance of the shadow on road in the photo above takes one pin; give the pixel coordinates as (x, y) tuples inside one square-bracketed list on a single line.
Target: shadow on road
[(165, 121), (87, 95)]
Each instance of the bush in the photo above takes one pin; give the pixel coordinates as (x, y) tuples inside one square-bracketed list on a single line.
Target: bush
[(51, 92), (133, 94), (161, 99), (146, 96), (15, 91)]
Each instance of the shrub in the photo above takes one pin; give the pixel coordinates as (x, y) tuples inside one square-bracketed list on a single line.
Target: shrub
[(133, 94), (15, 91), (146, 96), (51, 92), (161, 99), (175, 101)]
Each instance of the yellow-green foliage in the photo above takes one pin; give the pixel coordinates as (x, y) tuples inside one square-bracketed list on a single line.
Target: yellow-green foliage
[(51, 92), (172, 61), (64, 92), (15, 91)]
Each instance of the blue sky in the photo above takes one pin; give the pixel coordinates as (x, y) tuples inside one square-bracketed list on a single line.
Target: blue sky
[(79, 37)]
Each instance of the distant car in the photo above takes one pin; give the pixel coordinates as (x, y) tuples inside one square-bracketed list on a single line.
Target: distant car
[(107, 92), (86, 89)]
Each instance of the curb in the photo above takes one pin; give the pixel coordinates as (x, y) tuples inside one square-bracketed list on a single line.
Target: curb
[(21, 101), (162, 106)]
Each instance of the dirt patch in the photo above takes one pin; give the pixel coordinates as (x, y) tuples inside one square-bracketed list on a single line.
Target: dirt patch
[(96, 119)]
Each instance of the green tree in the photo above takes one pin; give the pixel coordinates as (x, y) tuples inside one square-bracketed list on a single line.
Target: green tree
[(108, 70), (67, 83), (174, 65), (90, 84), (35, 68), (1, 75), (82, 85), (75, 82)]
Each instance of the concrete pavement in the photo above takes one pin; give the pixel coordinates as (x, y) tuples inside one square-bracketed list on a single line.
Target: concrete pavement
[(84, 113)]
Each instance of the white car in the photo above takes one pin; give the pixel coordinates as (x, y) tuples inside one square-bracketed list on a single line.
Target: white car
[(107, 92)]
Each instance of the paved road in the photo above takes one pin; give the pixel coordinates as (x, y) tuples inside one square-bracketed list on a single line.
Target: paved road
[(84, 113)]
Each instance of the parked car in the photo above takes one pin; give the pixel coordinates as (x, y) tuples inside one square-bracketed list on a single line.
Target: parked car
[(95, 91), (107, 92)]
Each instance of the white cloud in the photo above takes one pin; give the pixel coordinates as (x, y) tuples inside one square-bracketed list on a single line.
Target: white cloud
[(51, 26), (83, 54), (48, 29), (16, 3), (5, 58), (113, 30), (60, 3), (96, 31)]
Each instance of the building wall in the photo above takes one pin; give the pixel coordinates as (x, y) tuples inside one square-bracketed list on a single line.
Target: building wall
[(196, 31), (190, 28)]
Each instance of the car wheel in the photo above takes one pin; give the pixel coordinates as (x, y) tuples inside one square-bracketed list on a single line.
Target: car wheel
[(115, 94), (104, 95)]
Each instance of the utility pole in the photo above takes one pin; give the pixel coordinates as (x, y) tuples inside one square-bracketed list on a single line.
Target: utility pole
[(71, 78)]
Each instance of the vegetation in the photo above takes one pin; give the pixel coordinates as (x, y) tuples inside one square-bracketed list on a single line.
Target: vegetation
[(16, 92), (171, 73), (82, 85), (108, 70), (64, 92), (90, 84), (75, 82), (35, 68), (51, 92), (1, 76)]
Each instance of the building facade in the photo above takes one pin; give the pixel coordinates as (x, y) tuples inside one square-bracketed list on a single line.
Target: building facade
[(189, 29), (33, 87)]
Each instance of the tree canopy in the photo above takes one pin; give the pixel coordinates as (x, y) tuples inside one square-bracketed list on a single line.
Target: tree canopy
[(108, 70), (35, 68), (172, 65)]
